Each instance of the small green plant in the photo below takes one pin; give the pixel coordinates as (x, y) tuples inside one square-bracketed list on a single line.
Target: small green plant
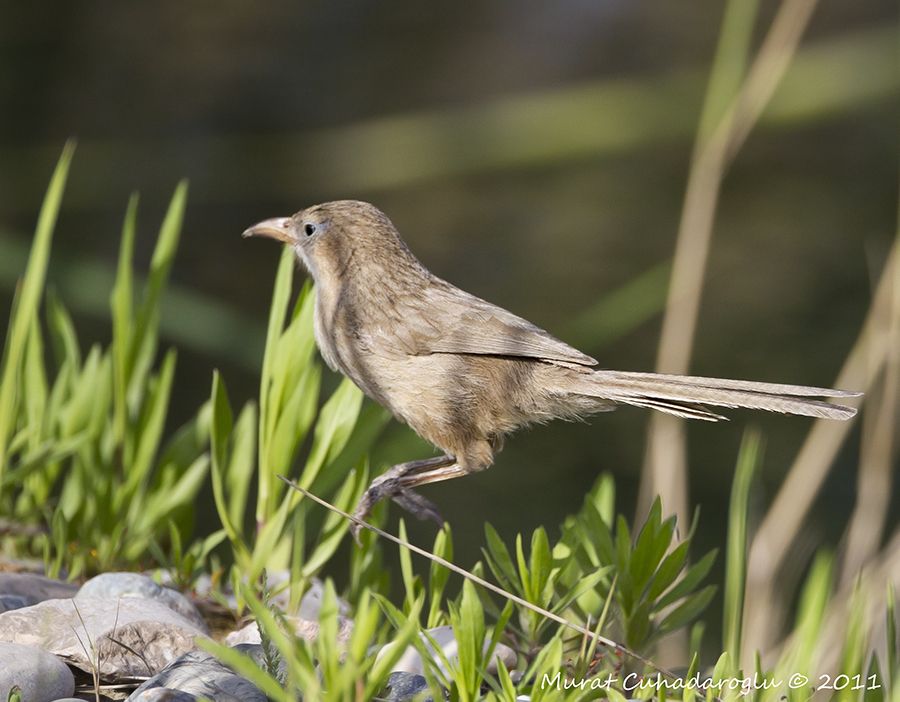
[(322, 669), (81, 438), (267, 445), (647, 578)]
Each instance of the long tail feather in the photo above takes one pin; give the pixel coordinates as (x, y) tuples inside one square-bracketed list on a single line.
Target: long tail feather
[(684, 395)]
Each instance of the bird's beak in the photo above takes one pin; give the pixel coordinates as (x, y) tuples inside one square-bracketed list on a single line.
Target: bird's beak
[(277, 228)]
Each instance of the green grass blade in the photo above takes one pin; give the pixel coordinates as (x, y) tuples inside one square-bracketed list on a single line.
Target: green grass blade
[(333, 429), (62, 333), (267, 416), (736, 554), (241, 463), (150, 427), (29, 297), (35, 387), (146, 330), (122, 308)]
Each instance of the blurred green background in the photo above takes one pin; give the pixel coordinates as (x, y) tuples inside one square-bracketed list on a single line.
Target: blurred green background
[(533, 153)]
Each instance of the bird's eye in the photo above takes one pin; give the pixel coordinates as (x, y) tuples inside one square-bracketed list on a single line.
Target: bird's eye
[(310, 229)]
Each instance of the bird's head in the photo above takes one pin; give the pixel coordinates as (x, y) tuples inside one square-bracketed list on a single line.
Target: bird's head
[(336, 238)]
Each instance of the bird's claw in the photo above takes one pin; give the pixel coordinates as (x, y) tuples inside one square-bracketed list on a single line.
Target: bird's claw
[(420, 507)]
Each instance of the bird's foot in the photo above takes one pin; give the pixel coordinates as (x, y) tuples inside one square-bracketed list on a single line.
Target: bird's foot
[(387, 486)]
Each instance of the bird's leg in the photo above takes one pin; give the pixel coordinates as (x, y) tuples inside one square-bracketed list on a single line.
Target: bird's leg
[(397, 483), (390, 484)]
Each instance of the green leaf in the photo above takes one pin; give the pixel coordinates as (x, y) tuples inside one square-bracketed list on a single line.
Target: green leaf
[(146, 329), (328, 633), (689, 610), (811, 613), (77, 414), (161, 503), (438, 576), (62, 333), (268, 536), (267, 414), (668, 570), (240, 465), (293, 423), (692, 578), (549, 662), (638, 625), (27, 301), (587, 582), (34, 385), (333, 428), (294, 350), (498, 559), (335, 526), (150, 427), (650, 548), (411, 585), (540, 563), (736, 554), (407, 634), (221, 427), (122, 308), (468, 630)]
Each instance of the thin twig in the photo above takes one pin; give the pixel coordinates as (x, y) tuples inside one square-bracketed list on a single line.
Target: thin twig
[(609, 643)]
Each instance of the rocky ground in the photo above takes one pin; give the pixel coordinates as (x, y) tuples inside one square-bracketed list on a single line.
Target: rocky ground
[(133, 639)]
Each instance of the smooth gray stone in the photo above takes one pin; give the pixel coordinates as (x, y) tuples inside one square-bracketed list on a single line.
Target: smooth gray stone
[(116, 585), (411, 661), (149, 627), (403, 687), (40, 675), (10, 602), (201, 675), (164, 694), (31, 588)]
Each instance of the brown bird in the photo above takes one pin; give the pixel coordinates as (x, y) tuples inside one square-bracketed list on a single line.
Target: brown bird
[(464, 373)]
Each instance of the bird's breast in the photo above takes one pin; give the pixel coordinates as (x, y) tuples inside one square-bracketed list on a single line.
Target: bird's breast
[(345, 342)]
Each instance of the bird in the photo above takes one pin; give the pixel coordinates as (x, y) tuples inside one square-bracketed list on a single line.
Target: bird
[(462, 372)]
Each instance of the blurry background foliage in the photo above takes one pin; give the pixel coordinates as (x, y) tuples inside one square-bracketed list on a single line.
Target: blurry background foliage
[(533, 153)]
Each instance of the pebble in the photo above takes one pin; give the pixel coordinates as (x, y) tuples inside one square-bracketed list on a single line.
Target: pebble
[(402, 687), (165, 694), (199, 674), (26, 589), (41, 676), (116, 585), (86, 631)]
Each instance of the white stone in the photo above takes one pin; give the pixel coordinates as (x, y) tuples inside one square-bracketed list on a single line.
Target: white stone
[(41, 676), (90, 632)]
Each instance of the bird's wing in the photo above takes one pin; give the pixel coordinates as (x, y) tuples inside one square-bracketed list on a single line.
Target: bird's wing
[(449, 320)]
